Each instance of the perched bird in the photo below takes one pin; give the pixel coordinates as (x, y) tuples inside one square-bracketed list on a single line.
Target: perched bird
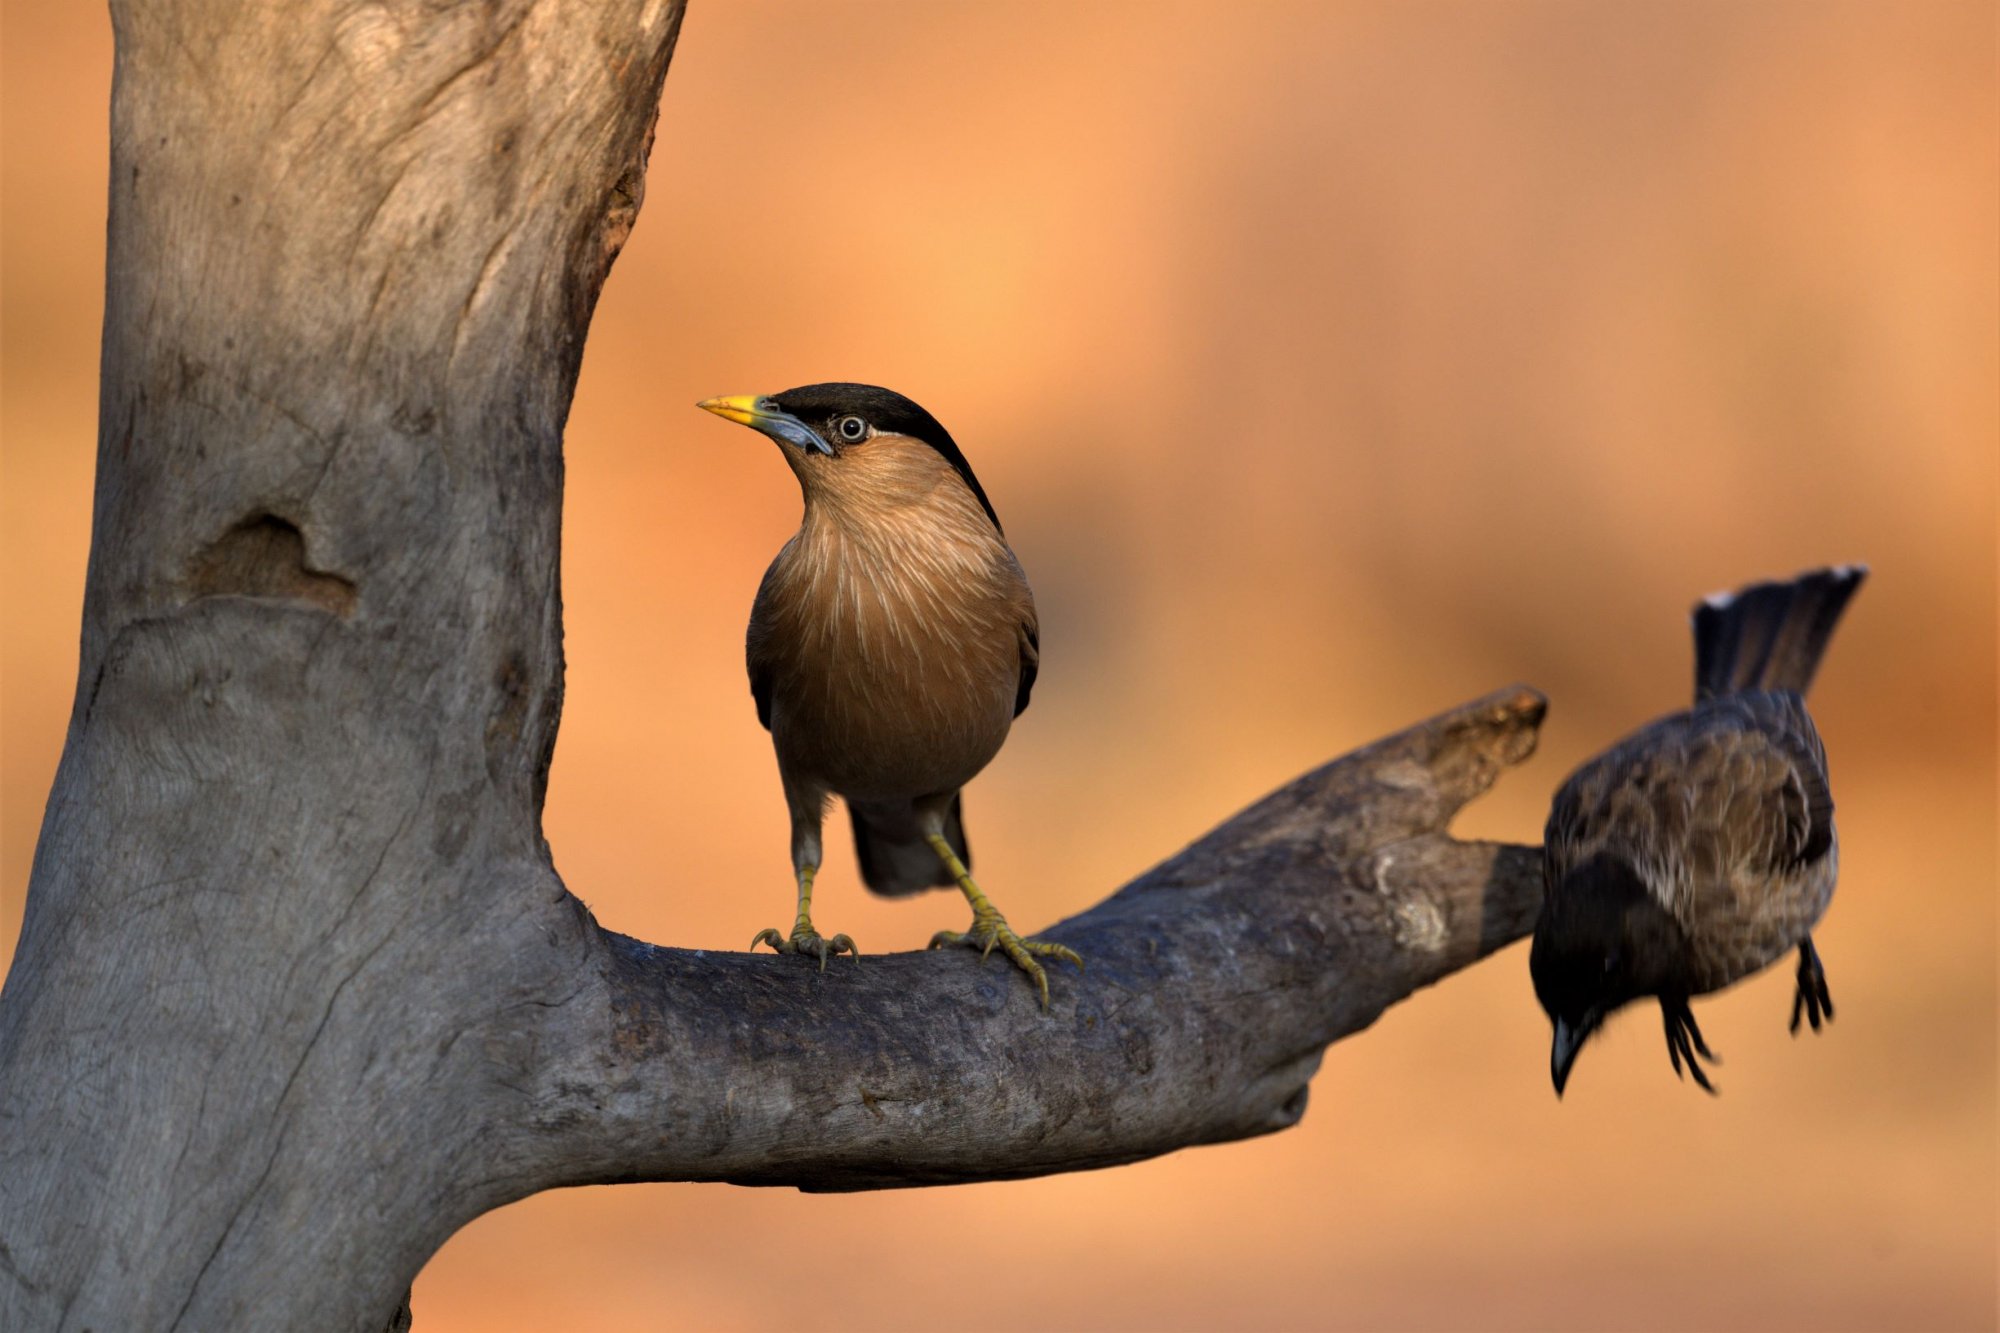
[(1701, 848), (891, 646)]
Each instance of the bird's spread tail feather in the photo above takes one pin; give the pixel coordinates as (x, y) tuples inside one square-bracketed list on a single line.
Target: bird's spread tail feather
[(1769, 636), (895, 859)]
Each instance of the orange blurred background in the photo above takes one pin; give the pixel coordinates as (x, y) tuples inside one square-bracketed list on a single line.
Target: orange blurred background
[(1330, 365)]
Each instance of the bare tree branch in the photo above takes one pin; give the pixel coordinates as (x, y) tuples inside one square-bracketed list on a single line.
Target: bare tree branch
[(1215, 981)]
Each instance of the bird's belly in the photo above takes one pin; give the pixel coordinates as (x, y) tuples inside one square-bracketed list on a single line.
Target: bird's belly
[(867, 723), (1758, 920)]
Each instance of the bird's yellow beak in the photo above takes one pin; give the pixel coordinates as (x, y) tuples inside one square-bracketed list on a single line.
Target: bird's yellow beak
[(741, 409), (764, 414)]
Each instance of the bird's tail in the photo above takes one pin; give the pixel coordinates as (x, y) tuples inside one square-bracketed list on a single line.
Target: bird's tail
[(1769, 636), (895, 859)]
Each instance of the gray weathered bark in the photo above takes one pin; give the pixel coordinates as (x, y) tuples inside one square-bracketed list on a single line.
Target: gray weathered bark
[(298, 992), (1215, 981)]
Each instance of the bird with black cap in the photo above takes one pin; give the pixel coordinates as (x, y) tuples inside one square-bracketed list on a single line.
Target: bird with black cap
[(892, 644)]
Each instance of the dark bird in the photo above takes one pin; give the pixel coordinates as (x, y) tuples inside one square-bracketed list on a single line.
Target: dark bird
[(1700, 849), (892, 644)]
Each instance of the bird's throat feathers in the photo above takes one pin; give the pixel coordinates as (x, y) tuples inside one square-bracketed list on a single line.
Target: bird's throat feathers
[(1605, 939), (889, 500)]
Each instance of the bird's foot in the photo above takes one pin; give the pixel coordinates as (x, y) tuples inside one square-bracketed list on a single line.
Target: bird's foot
[(990, 929), (1811, 999), (1684, 1039), (804, 939)]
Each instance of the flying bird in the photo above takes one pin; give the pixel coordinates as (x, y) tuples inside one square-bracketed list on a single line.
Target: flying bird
[(891, 646), (1701, 848)]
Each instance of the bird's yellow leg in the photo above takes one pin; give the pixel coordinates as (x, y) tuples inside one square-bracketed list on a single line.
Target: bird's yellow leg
[(804, 939), (990, 928)]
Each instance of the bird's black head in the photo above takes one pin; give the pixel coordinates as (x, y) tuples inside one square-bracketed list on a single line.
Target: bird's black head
[(823, 421), (1602, 941)]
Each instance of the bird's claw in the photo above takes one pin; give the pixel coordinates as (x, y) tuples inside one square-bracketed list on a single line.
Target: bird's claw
[(804, 939), (992, 929), (1811, 999), (1684, 1039)]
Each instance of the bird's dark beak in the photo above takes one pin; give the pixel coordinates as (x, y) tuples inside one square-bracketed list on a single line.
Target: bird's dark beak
[(762, 414), (1568, 1041)]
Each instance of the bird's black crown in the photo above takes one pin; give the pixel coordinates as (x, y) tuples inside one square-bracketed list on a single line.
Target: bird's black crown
[(821, 405), (1603, 941)]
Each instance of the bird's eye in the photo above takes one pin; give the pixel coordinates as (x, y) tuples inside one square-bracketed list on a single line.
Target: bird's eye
[(851, 429)]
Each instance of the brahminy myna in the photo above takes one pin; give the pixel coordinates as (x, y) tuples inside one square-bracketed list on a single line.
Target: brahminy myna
[(891, 646)]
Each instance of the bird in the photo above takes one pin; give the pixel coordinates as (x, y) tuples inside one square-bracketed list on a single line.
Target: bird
[(892, 643), (1701, 848)]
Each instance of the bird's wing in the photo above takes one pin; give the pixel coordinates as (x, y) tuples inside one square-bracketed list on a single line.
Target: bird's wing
[(1725, 794), (760, 694), (1031, 662), (1027, 631), (758, 648), (1798, 759)]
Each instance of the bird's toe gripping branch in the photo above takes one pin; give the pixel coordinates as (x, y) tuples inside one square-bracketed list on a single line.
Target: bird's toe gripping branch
[(804, 939), (990, 929)]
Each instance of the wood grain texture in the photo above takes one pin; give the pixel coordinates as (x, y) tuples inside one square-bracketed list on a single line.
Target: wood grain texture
[(293, 847), (298, 992)]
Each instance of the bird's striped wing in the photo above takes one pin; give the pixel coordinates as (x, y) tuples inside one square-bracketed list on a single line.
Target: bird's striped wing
[(1703, 803)]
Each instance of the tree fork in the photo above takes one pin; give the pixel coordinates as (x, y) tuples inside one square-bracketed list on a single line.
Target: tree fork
[(298, 992)]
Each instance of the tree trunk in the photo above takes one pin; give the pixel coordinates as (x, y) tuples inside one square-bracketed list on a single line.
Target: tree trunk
[(298, 992)]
